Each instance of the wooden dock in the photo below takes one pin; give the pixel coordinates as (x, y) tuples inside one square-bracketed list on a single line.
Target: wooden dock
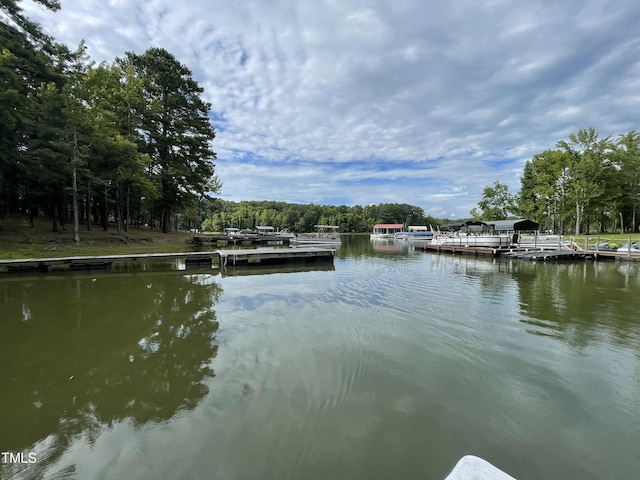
[(257, 256), (474, 251), (616, 256), (552, 255), (535, 254), (100, 262), (239, 240), (265, 256)]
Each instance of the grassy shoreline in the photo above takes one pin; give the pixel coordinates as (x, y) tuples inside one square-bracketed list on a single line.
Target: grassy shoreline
[(19, 241)]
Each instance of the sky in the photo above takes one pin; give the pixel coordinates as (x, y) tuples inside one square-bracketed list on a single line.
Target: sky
[(347, 102)]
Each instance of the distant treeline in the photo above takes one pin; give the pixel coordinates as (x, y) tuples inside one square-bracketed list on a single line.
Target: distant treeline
[(221, 214), (90, 144), (588, 183)]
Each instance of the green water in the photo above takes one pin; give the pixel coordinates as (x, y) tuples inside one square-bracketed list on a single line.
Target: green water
[(388, 364)]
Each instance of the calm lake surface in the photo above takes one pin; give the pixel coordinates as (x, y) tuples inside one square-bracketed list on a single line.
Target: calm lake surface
[(388, 364)]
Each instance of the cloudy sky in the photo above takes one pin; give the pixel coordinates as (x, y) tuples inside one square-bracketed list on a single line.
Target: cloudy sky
[(360, 102)]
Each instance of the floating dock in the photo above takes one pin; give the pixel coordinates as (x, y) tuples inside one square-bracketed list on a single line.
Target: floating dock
[(552, 255), (475, 251), (617, 256), (266, 256), (246, 240), (238, 257), (530, 253), (101, 262)]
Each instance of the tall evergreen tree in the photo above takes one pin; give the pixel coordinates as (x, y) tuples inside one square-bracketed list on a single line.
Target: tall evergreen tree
[(24, 65), (175, 126)]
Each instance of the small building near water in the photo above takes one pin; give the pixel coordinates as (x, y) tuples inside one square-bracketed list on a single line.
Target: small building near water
[(386, 230)]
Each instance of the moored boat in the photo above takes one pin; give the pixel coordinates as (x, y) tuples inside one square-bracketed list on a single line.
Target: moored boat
[(626, 248), (415, 233), (472, 234), (323, 235), (285, 234)]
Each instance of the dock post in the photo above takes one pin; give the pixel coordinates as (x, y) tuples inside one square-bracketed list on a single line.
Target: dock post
[(586, 243), (629, 247)]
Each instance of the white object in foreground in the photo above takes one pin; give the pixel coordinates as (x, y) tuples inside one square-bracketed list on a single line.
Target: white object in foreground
[(470, 467)]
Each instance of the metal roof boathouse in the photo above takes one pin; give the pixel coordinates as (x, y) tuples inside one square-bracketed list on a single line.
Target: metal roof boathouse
[(510, 226)]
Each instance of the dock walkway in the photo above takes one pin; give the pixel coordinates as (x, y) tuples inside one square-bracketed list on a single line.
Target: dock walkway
[(96, 262), (544, 254), (274, 255), (236, 257), (249, 239), (552, 255)]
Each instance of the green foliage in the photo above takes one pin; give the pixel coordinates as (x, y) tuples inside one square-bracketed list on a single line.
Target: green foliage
[(587, 181), (99, 143), (543, 189), (626, 177), (496, 204), (175, 128), (221, 214), (587, 166)]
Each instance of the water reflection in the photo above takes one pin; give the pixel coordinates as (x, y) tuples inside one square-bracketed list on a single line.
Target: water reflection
[(576, 302), (490, 274), (356, 246), (323, 373), (82, 353), (319, 266)]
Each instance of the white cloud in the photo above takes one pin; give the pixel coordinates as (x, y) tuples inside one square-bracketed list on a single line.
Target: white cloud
[(339, 99)]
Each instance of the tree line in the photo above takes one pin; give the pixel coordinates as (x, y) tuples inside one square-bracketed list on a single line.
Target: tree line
[(127, 141), (587, 183), (219, 214)]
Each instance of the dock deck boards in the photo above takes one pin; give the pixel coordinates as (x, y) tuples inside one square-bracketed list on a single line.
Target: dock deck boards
[(274, 255), (267, 255), (98, 261)]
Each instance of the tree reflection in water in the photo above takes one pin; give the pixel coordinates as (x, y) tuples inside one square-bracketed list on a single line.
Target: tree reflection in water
[(577, 302), (83, 353)]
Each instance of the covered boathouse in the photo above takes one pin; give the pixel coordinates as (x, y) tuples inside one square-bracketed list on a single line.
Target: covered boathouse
[(386, 230), (513, 226)]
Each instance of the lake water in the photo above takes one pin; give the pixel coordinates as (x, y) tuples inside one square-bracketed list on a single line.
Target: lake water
[(388, 364)]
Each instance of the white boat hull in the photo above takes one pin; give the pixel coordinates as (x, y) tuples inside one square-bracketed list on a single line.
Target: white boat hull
[(489, 241), (623, 249), (382, 235), (316, 241)]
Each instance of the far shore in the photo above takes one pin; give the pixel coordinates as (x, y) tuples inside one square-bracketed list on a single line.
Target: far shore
[(19, 241)]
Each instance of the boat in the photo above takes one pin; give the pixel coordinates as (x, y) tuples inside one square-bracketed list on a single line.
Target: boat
[(386, 230), (605, 247), (471, 234), (472, 467), (323, 235), (285, 234), (265, 230), (626, 248), (415, 233)]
